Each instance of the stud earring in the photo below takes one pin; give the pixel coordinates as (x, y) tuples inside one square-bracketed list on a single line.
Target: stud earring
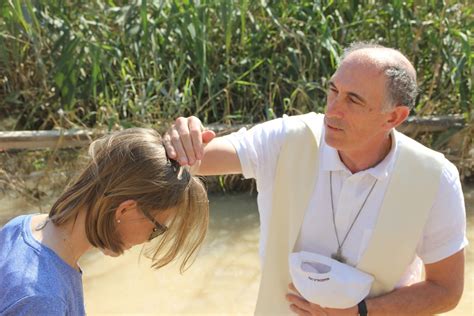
[(118, 221)]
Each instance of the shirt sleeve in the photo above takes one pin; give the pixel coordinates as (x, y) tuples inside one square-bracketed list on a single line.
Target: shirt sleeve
[(445, 231), (258, 149), (38, 305)]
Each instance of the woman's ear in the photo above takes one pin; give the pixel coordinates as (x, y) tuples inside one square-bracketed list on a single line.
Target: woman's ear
[(125, 207)]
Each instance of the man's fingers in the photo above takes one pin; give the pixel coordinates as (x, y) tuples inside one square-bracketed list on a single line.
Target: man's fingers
[(180, 154), (292, 287), (185, 140), (207, 136), (298, 300), (299, 311), (303, 305), (182, 128), (195, 130), (168, 146)]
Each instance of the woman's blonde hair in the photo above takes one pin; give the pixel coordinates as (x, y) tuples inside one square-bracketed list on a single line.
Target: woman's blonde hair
[(132, 165)]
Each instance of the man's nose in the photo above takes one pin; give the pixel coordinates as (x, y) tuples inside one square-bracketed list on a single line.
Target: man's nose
[(334, 107)]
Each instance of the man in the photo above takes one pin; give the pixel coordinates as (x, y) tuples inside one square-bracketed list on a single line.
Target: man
[(365, 207)]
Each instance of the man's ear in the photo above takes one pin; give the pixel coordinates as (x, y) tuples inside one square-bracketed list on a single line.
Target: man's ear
[(125, 207), (397, 116)]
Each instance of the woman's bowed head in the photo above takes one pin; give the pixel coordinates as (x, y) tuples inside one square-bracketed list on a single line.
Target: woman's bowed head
[(128, 194)]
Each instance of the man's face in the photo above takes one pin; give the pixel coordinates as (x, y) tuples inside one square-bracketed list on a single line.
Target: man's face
[(354, 118)]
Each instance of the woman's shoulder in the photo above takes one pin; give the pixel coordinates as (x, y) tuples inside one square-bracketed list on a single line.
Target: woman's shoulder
[(16, 222), (25, 262), (29, 278), (34, 304)]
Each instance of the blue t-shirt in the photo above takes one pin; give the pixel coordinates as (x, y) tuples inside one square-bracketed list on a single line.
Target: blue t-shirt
[(34, 280)]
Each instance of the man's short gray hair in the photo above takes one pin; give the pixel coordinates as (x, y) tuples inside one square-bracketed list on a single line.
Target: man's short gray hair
[(401, 85)]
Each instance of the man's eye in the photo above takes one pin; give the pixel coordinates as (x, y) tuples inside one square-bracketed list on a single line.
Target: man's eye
[(354, 101)]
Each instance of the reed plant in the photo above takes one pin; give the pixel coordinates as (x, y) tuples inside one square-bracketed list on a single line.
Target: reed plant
[(112, 63), (109, 63)]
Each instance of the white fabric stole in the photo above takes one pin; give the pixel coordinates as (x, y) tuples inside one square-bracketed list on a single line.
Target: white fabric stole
[(410, 194), (292, 192)]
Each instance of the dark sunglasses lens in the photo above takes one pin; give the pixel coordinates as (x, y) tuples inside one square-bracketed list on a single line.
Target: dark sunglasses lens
[(157, 232)]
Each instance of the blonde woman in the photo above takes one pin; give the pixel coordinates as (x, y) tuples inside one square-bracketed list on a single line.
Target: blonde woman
[(128, 194)]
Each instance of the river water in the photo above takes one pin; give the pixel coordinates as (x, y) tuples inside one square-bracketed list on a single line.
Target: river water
[(223, 280)]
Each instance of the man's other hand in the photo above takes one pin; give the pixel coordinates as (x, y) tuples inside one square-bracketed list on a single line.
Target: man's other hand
[(302, 307)]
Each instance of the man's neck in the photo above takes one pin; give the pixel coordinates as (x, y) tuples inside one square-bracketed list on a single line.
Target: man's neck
[(360, 160)]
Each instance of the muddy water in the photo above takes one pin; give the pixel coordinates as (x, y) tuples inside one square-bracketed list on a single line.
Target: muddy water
[(222, 281)]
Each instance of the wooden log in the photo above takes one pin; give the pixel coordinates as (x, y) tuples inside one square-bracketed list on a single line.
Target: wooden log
[(431, 124), (79, 138), (46, 139)]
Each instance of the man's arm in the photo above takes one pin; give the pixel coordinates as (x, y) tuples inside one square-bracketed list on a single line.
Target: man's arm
[(187, 142), (440, 292), (219, 157)]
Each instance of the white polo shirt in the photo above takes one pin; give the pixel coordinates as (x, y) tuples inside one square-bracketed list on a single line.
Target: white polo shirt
[(443, 235)]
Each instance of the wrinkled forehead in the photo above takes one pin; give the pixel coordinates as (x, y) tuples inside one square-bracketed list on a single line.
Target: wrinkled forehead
[(362, 78), (358, 69)]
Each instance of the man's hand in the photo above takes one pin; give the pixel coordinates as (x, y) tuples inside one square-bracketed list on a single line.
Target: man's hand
[(302, 307), (185, 140)]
